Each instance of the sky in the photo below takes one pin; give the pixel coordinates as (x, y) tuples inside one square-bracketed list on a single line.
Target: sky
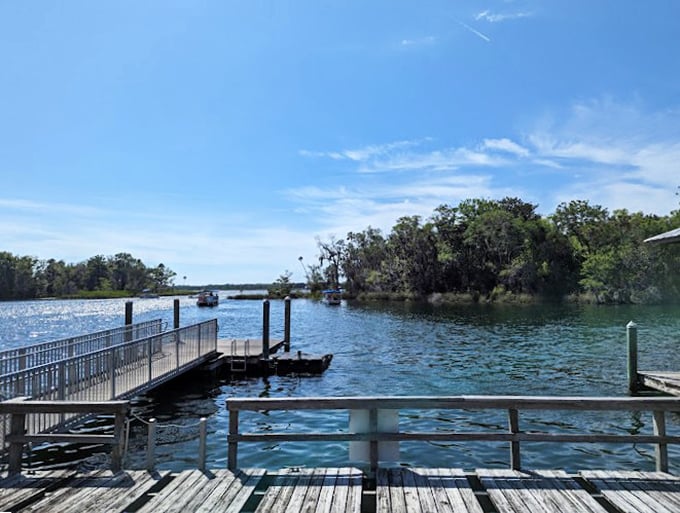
[(224, 138)]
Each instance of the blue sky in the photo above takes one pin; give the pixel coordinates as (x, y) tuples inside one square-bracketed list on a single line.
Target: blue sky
[(221, 138)]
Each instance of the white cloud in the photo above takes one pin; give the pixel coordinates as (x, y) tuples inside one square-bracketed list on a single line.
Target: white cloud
[(505, 145), (499, 17)]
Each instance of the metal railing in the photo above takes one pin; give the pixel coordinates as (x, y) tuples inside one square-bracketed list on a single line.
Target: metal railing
[(658, 406), (13, 360), (114, 372)]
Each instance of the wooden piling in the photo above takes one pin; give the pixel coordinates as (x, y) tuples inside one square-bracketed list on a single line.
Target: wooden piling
[(175, 316), (265, 329), (202, 442), (128, 321), (633, 381), (151, 445), (286, 325)]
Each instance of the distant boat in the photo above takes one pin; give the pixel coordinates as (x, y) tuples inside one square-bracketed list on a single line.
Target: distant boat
[(208, 298), (332, 296), (147, 294)]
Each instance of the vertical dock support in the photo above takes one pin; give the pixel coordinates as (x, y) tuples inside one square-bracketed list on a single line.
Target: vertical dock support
[(175, 317), (202, 442), (661, 448), (151, 445), (286, 325), (128, 321), (633, 382), (513, 421), (232, 451), (265, 329)]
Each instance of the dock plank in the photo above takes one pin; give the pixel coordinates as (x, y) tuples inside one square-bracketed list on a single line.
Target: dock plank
[(444, 490), (637, 492), (20, 489), (513, 491), (99, 491), (319, 490), (205, 491), (667, 382)]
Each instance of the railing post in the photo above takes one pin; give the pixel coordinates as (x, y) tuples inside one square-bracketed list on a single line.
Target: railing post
[(286, 325), (265, 329), (202, 445), (373, 444), (175, 317), (661, 448), (150, 349), (112, 370), (117, 449), (17, 429), (633, 381), (151, 445), (513, 422), (177, 347), (232, 452)]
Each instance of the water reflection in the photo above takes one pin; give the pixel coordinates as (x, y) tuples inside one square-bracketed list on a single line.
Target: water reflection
[(392, 349)]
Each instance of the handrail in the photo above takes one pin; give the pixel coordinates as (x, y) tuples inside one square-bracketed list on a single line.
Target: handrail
[(19, 408), (512, 404), (105, 374), (20, 358)]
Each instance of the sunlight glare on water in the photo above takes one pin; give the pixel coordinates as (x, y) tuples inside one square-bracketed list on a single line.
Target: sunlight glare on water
[(392, 349)]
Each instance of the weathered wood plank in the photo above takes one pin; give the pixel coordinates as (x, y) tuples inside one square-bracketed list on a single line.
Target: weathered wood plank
[(99, 492), (320, 490), (639, 492), (444, 490), (204, 491), (513, 491), (20, 489)]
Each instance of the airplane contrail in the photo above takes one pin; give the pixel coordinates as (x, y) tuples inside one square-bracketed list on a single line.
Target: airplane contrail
[(475, 32)]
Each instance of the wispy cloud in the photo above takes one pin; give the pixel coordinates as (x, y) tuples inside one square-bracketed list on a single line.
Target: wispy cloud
[(499, 17), (615, 155), (475, 31), (428, 40)]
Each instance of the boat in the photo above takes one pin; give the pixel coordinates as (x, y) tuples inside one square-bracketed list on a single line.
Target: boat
[(332, 296), (208, 298), (147, 294)]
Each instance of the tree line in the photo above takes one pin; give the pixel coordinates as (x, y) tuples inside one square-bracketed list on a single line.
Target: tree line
[(25, 277), (489, 249)]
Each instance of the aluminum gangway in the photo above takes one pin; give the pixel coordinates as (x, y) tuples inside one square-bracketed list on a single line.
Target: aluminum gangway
[(116, 372)]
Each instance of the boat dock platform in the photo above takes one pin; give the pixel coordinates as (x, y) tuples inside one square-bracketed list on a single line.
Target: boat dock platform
[(254, 357), (370, 486), (342, 490)]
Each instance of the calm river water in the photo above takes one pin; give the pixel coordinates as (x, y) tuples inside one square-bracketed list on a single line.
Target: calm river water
[(393, 349)]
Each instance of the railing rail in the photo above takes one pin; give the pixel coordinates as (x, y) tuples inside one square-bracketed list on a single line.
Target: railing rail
[(19, 409), (114, 372), (16, 359), (658, 406)]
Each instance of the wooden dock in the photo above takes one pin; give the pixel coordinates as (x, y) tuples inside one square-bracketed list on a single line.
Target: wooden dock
[(342, 490), (666, 382)]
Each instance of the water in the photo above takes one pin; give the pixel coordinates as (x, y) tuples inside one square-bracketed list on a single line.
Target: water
[(394, 349)]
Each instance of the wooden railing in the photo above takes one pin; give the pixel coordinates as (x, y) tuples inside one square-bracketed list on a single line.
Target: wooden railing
[(18, 410), (513, 405), (25, 357)]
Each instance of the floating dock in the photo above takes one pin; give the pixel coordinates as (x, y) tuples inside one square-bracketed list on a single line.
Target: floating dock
[(255, 357)]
